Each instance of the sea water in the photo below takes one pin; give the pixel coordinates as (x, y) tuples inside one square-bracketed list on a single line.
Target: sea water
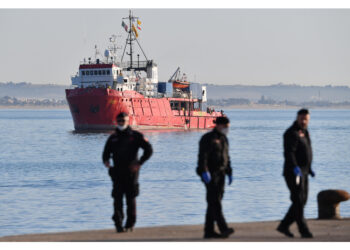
[(52, 179)]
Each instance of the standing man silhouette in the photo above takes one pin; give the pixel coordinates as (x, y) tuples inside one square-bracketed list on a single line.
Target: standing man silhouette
[(297, 167), (213, 165), (123, 146)]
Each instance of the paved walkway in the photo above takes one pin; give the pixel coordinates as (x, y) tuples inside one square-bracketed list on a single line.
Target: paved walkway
[(323, 230)]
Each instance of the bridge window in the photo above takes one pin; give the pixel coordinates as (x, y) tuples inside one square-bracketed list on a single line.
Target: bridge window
[(87, 72), (103, 72), (95, 72), (91, 72), (83, 72), (108, 72)]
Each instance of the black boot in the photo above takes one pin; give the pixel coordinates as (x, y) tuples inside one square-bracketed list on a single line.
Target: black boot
[(307, 234), (128, 229), (285, 231), (212, 235), (119, 229), (227, 232)]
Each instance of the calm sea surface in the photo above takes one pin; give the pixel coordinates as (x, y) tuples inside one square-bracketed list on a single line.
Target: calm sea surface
[(52, 179)]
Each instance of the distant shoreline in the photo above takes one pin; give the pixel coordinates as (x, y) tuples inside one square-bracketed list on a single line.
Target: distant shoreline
[(33, 107), (247, 107), (277, 107)]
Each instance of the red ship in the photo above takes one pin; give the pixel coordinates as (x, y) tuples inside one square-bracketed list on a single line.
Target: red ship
[(106, 87)]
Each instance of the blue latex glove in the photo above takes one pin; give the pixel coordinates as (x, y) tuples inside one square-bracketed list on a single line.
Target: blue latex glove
[(206, 177), (312, 173), (230, 179), (297, 171)]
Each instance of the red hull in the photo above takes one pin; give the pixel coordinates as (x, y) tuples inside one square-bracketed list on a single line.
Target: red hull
[(97, 108)]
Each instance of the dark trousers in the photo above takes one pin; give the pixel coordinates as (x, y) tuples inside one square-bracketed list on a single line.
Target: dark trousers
[(128, 188), (215, 193), (298, 197)]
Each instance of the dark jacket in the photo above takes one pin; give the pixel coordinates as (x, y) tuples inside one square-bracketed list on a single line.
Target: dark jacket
[(214, 153), (297, 150), (123, 147)]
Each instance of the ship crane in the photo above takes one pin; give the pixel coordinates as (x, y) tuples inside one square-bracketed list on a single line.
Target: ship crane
[(175, 75)]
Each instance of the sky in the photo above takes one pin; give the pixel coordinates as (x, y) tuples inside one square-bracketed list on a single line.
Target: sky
[(218, 46)]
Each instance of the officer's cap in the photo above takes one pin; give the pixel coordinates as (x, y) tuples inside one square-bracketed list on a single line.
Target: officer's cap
[(303, 112), (122, 115), (222, 120)]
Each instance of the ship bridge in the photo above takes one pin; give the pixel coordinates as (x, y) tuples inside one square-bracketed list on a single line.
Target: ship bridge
[(96, 75)]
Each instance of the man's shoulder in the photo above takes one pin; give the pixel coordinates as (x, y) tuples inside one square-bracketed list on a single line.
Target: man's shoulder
[(292, 131), (113, 136), (208, 135), (135, 133)]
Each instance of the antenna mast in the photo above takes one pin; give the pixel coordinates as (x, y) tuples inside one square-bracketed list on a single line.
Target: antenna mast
[(97, 52), (130, 38), (113, 49), (129, 41)]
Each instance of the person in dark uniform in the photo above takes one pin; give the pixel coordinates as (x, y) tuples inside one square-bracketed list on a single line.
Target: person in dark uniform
[(213, 165), (123, 146), (297, 167)]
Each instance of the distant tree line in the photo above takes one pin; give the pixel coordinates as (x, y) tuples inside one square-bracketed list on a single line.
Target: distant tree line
[(13, 101), (268, 101), (229, 101), (316, 103), (15, 84)]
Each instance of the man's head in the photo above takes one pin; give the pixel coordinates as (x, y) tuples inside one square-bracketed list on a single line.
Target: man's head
[(222, 124), (303, 118), (122, 121)]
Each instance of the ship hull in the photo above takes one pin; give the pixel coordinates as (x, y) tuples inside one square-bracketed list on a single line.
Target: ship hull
[(97, 108)]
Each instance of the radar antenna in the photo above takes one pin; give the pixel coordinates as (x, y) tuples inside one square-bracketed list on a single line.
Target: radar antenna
[(97, 52), (112, 50)]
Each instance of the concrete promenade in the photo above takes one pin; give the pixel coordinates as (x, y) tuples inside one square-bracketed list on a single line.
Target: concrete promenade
[(323, 230)]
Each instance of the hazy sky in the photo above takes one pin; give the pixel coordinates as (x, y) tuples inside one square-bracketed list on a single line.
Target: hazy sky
[(221, 46)]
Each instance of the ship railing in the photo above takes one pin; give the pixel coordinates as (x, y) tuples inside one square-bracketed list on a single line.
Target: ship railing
[(134, 65), (118, 64)]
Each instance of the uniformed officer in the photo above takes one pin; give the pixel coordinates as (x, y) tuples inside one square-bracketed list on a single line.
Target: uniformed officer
[(213, 165), (123, 146), (297, 167)]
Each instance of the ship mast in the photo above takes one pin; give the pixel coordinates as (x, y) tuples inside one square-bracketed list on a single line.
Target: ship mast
[(129, 41), (130, 36)]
